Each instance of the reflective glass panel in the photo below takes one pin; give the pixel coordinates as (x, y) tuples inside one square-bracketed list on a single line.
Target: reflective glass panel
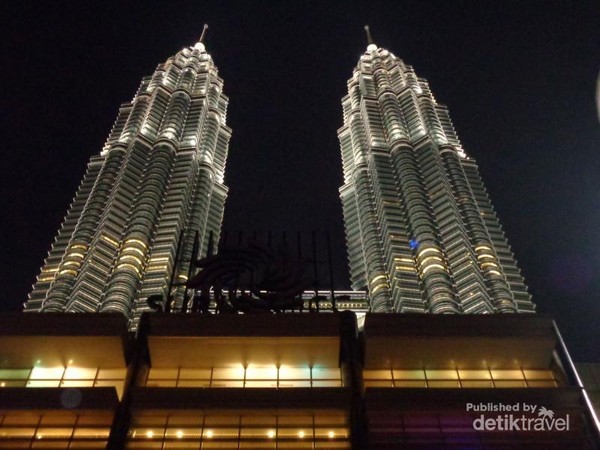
[(45, 373)]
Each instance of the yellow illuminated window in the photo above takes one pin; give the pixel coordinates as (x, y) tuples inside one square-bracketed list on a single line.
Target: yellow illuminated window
[(408, 374), (257, 432), (239, 432), (14, 374), (250, 377), (162, 374), (377, 374), (507, 374), (474, 374), (327, 383), (538, 374), (466, 378), (76, 373), (234, 373), (56, 430), (182, 433), (43, 373), (441, 374), (49, 377), (91, 433), (227, 383), (260, 383), (320, 374), (17, 432), (13, 383), (294, 373), (114, 374), (195, 374), (258, 428), (261, 373)]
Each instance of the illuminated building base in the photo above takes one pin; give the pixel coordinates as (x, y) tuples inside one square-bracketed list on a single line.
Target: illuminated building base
[(283, 381)]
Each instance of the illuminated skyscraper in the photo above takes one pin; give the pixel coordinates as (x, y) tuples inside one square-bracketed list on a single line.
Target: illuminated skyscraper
[(157, 183), (421, 232)]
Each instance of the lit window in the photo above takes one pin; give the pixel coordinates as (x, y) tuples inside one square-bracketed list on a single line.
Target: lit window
[(233, 373), (538, 374), (377, 374), (409, 374), (474, 374), (77, 373), (294, 373), (507, 374), (441, 374), (261, 373)]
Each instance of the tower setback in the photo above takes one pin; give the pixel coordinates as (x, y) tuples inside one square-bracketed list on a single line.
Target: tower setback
[(421, 232), (157, 184)]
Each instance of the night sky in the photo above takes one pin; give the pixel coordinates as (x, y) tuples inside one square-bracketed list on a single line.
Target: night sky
[(519, 79)]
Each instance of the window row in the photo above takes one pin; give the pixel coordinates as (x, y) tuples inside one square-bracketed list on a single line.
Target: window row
[(454, 378), (256, 377), (56, 431), (252, 431), (63, 377)]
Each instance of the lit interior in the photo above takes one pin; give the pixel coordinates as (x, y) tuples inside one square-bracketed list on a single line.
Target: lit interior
[(194, 431), (214, 351), (71, 376), (245, 377), (457, 378), (55, 429)]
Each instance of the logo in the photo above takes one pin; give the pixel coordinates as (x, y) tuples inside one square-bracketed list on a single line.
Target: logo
[(516, 417)]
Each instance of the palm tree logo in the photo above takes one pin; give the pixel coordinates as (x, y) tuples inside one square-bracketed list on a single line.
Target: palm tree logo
[(545, 413)]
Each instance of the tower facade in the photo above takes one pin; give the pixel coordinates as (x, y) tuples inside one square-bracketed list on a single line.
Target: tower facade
[(422, 235), (156, 187)]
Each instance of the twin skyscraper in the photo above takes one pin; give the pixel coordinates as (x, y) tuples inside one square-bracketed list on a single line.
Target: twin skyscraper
[(421, 233)]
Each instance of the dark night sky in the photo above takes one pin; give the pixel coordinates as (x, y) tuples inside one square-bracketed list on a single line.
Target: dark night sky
[(519, 79)]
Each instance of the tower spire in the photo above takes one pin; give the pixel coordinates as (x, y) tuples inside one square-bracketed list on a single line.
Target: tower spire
[(204, 28), (369, 37)]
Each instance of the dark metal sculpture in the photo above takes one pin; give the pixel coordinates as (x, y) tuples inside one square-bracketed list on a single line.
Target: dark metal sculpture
[(254, 277), (250, 277)]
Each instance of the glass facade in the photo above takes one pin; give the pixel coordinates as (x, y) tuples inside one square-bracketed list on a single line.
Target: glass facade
[(54, 430), (453, 378), (245, 377), (421, 232), (155, 188), (38, 377), (185, 382), (199, 431)]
